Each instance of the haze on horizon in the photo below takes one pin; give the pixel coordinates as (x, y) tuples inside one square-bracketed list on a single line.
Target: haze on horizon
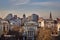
[(28, 7)]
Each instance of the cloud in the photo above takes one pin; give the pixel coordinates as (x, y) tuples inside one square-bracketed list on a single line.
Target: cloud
[(19, 2), (51, 4)]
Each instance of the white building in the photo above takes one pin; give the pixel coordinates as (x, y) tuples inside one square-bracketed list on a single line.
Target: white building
[(58, 27), (30, 29), (4, 26), (49, 23), (41, 22)]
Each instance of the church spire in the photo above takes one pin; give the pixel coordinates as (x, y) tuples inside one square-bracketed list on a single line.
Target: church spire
[(50, 15)]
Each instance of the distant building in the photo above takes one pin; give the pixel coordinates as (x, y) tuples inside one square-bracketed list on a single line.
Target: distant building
[(4, 27), (58, 25), (49, 23), (24, 16), (29, 18), (52, 24), (9, 17), (34, 17), (1, 27), (15, 17), (15, 22), (41, 22), (54, 29), (24, 19)]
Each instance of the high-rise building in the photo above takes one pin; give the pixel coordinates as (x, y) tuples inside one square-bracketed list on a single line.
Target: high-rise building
[(34, 17)]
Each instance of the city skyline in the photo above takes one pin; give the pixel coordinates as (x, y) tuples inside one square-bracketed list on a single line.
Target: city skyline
[(40, 7)]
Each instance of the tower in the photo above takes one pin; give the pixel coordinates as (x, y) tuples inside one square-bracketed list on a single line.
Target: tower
[(24, 16), (50, 16)]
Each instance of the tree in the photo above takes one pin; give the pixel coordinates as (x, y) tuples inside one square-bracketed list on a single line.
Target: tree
[(44, 34)]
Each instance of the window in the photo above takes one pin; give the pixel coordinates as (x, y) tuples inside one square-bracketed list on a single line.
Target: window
[(52, 33), (59, 29), (30, 33)]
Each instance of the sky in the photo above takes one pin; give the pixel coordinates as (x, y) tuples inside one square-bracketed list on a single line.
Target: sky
[(28, 7)]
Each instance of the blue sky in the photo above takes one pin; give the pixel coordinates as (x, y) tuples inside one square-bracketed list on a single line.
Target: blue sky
[(40, 7)]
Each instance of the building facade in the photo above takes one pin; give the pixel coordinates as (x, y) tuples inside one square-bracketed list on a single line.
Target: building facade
[(30, 30), (34, 17), (4, 27)]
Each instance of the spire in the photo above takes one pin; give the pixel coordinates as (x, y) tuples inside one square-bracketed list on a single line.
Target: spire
[(50, 15)]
